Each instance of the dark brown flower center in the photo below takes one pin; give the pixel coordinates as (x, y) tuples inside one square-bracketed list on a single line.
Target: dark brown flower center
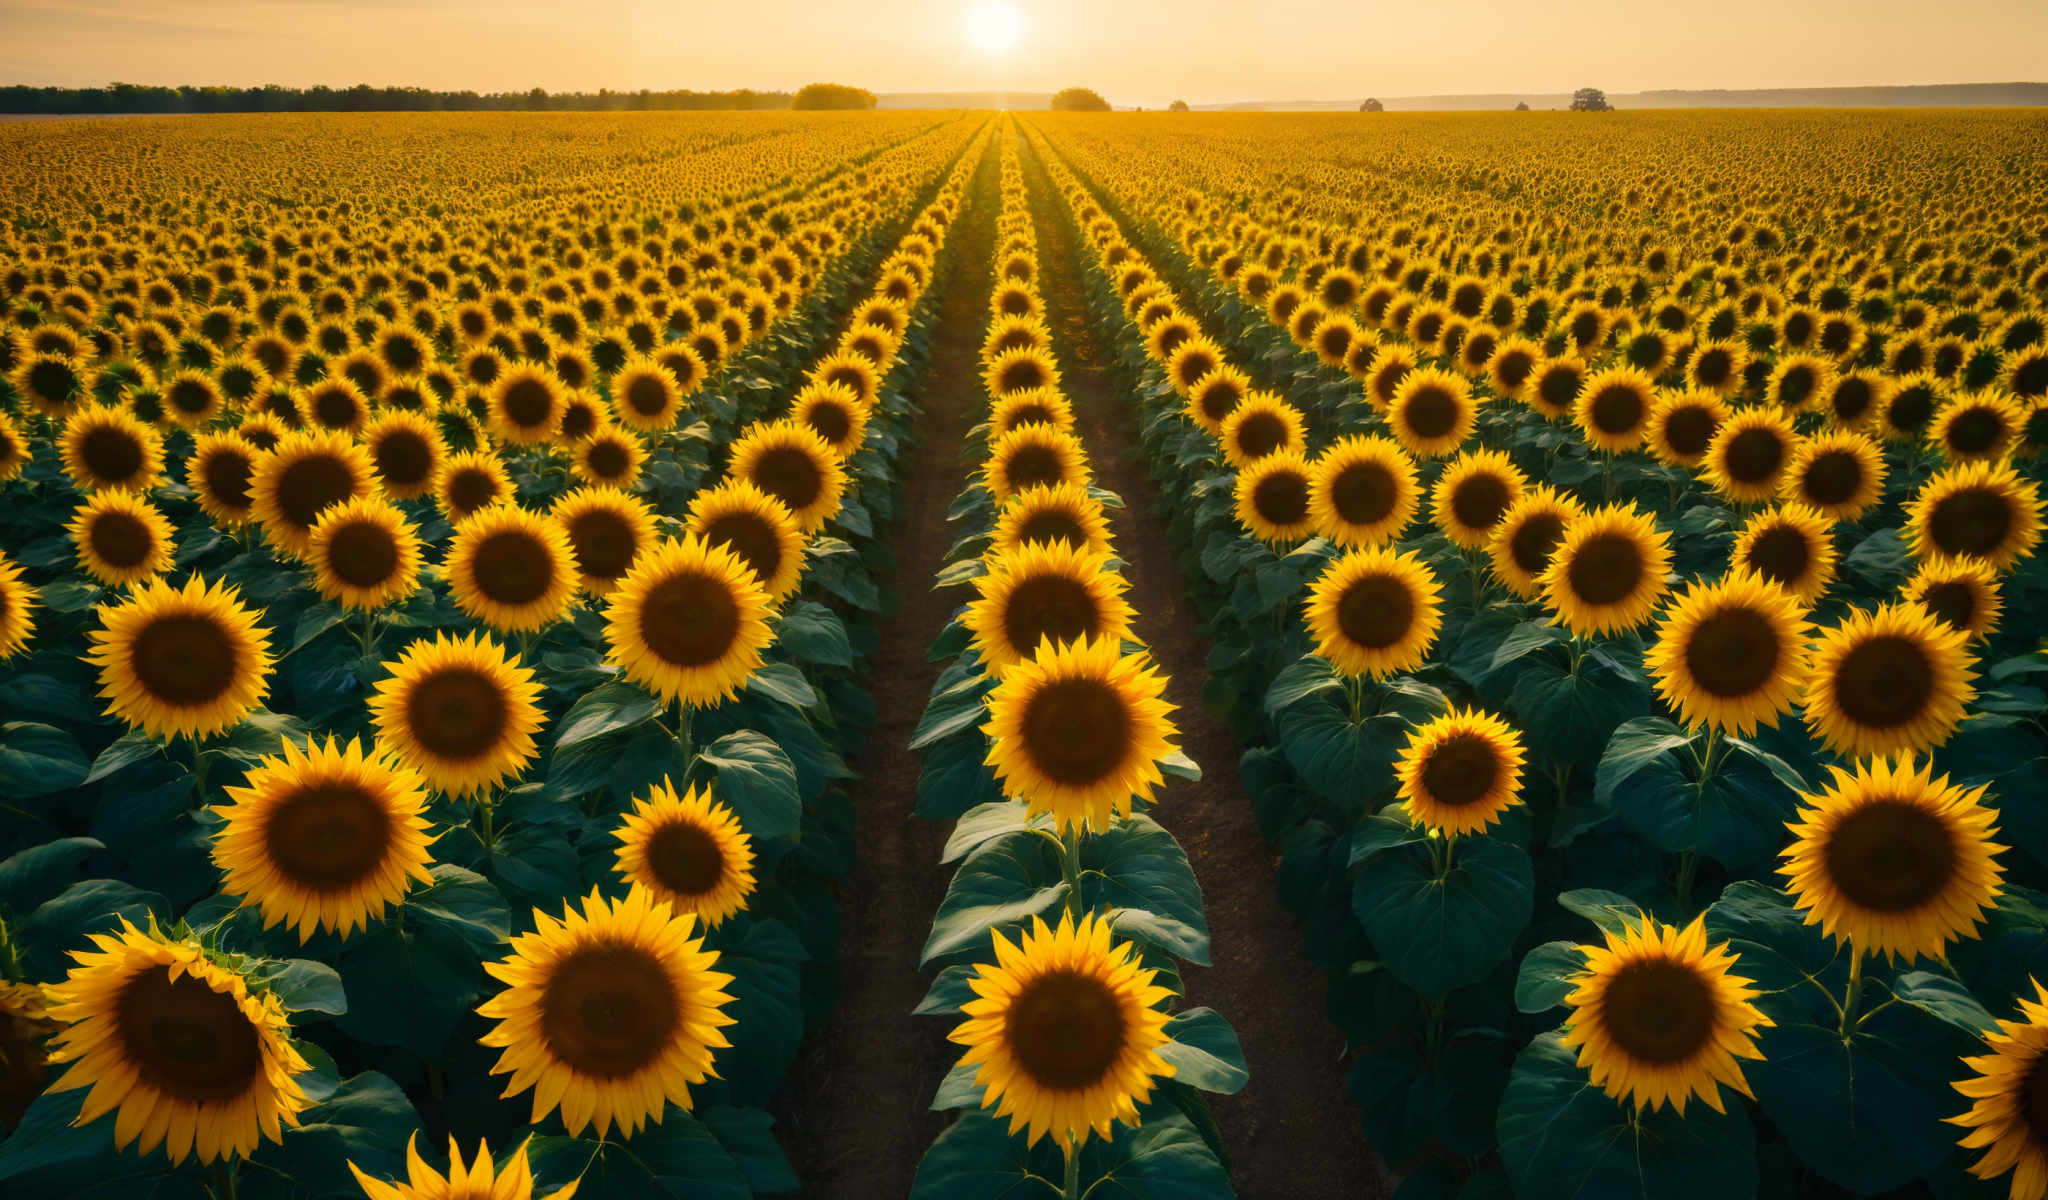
[(1431, 412), (457, 713), (1363, 493), (609, 1010), (1261, 434), (648, 395), (1479, 501), (689, 619), (1617, 410), (1049, 606), (336, 407), (603, 542), (1884, 682), (1021, 375), (1755, 455), (111, 455), (832, 422), (1689, 430), (1890, 856), (182, 660), (120, 539), (1606, 569), (607, 459), (328, 837), (1833, 478), (1051, 525), (1077, 731), (311, 485), (512, 567), (226, 475), (1066, 1030), (363, 554), (1376, 611), (1033, 465), (1658, 1011), (1281, 498), (1954, 604), (1732, 652), (1460, 770), (403, 458), (1974, 431), (1535, 540), (685, 858), (529, 403), (788, 474), (1781, 554), (1972, 521), (185, 1039)]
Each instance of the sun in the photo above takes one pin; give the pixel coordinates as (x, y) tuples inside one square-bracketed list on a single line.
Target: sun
[(994, 26)]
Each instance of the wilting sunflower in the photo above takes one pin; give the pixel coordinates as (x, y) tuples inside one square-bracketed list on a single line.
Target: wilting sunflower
[(309, 472), (1024, 369), (460, 711), (526, 405), (2005, 1119), (1064, 1031), (1962, 593), (609, 1014), (121, 538), (689, 622), (1838, 474), (1894, 860), (1608, 571), (1216, 395), (1060, 514), (790, 462), (1432, 412), (219, 471), (1374, 612), (1033, 456), (1975, 510), (1750, 455), (1473, 494), (608, 530), (1613, 409), (1042, 407), (1894, 680), (1730, 654), (645, 395), (365, 554), (832, 411), (15, 448), (324, 838), (1078, 730), (1791, 546), (408, 451), (17, 609), (755, 527), (1048, 591), (480, 1180), (470, 482), (1363, 491), (1659, 1016), (1273, 498), (610, 457), (177, 1046), (106, 448), (1983, 427), (1683, 424), (1460, 772), (1528, 534), (512, 569), (689, 850), (174, 661), (1260, 425)]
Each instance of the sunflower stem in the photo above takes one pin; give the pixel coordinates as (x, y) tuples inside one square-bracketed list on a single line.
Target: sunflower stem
[(485, 815), (684, 741), (224, 1179), (1070, 1186), (1688, 866), (1854, 999), (1070, 869)]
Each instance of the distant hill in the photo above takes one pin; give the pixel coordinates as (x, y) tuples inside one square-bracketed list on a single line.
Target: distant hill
[(1964, 95)]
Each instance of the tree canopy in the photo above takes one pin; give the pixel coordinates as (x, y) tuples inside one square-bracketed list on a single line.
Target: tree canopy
[(832, 95), (1590, 100), (1079, 99), (1372, 105), (1177, 106), (149, 98)]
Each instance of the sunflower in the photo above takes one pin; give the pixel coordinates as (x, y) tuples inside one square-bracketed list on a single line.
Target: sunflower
[(1272, 498), (1390, 367), (1839, 474), (1554, 386), (15, 448), (1472, 495), (1798, 381), (512, 569), (177, 1046), (645, 396), (460, 711), (1909, 405), (219, 471), (1077, 730), (1730, 654), (831, 411), (1856, 398), (1748, 458), (335, 403), (1893, 680), (757, 528), (689, 850), (1894, 860), (1975, 510), (174, 661), (481, 1180), (17, 609), (407, 450), (365, 554), (1191, 362), (1791, 546), (105, 447), (1048, 591), (1716, 366), (1042, 407), (1262, 424), (1984, 427), (54, 383), (1683, 424), (1658, 1016), (854, 373), (1522, 544), (1613, 407), (526, 405), (1033, 456), (1962, 593), (689, 622), (1374, 612), (1215, 396), (789, 461), (121, 537), (1363, 491), (469, 482), (1015, 333), (1024, 369), (323, 838), (1432, 412), (1059, 514), (1460, 772), (1513, 366), (609, 457), (581, 415), (309, 472), (2005, 1119), (1608, 571), (1064, 1031), (608, 529), (609, 1014)]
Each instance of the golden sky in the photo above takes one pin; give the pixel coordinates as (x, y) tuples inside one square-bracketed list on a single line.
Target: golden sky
[(1133, 51)]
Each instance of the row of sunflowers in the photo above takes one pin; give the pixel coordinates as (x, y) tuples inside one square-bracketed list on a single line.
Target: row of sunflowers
[(1058, 941), (433, 630), (1661, 808)]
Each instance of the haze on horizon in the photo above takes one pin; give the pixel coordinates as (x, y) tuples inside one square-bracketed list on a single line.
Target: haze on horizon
[(1133, 51)]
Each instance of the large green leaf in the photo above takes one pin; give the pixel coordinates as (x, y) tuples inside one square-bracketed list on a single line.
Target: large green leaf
[(60, 925), (1137, 871), (45, 1137), (1163, 1159), (1002, 884), (1435, 933), (1205, 1052), (1567, 717), (1649, 776), (1547, 976), (37, 759), (30, 876), (757, 779), (605, 709), (366, 1121), (814, 635), (679, 1159)]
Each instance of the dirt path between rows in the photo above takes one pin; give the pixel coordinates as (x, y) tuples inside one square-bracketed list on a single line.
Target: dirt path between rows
[(859, 1100), (1293, 1131)]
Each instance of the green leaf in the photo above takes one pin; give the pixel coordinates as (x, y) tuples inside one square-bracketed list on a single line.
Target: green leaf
[(977, 1159), (441, 980), (1204, 1052), (1163, 1159), (1305, 677), (758, 780), (948, 992), (1523, 640), (953, 778), (60, 925), (127, 750), (990, 821), (1383, 832), (605, 709), (366, 1121), (1002, 884), (465, 905), (959, 1089), (302, 984), (1777, 950), (45, 1137), (1436, 934), (1546, 976), (781, 681), (1569, 717), (1945, 1000), (955, 709), (36, 759), (812, 634), (1140, 873), (748, 1135), (1611, 911), (31, 876), (678, 1159), (1634, 746)]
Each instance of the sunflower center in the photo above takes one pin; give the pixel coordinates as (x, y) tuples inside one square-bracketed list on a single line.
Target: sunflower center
[(689, 619), (1220, 399), (1031, 466), (120, 539), (1376, 611), (1022, 375), (1713, 367), (362, 554), (1077, 731), (1049, 606), (1260, 434), (307, 487), (1953, 604), (686, 859), (1617, 410), (1910, 410), (1461, 770), (788, 474), (1431, 413), (1513, 367), (1066, 1030), (1851, 399), (1282, 498), (1363, 493), (1974, 431), (188, 1041), (335, 408), (1479, 501), (471, 489), (833, 423), (227, 476), (529, 403), (1754, 455), (1972, 521), (1781, 554), (328, 837), (1689, 430), (1833, 478), (606, 459), (1535, 541), (1607, 569), (751, 538), (609, 1010), (1658, 1011), (112, 455), (647, 395), (183, 660), (2033, 1098), (578, 420), (1732, 652), (456, 713), (1557, 388), (1052, 526), (186, 395), (603, 542), (1890, 856), (1884, 682), (512, 567)]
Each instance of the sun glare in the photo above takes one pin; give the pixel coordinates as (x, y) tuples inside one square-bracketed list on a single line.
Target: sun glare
[(994, 26)]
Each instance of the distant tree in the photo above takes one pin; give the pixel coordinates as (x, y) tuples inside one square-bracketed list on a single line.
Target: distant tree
[(832, 95), (1521, 106), (1372, 106), (1177, 106), (1079, 99), (1590, 100)]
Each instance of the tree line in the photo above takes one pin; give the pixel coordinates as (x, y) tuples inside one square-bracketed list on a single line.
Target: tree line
[(145, 98)]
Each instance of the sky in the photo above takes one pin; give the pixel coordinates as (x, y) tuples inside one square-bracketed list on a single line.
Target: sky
[(1132, 51)]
